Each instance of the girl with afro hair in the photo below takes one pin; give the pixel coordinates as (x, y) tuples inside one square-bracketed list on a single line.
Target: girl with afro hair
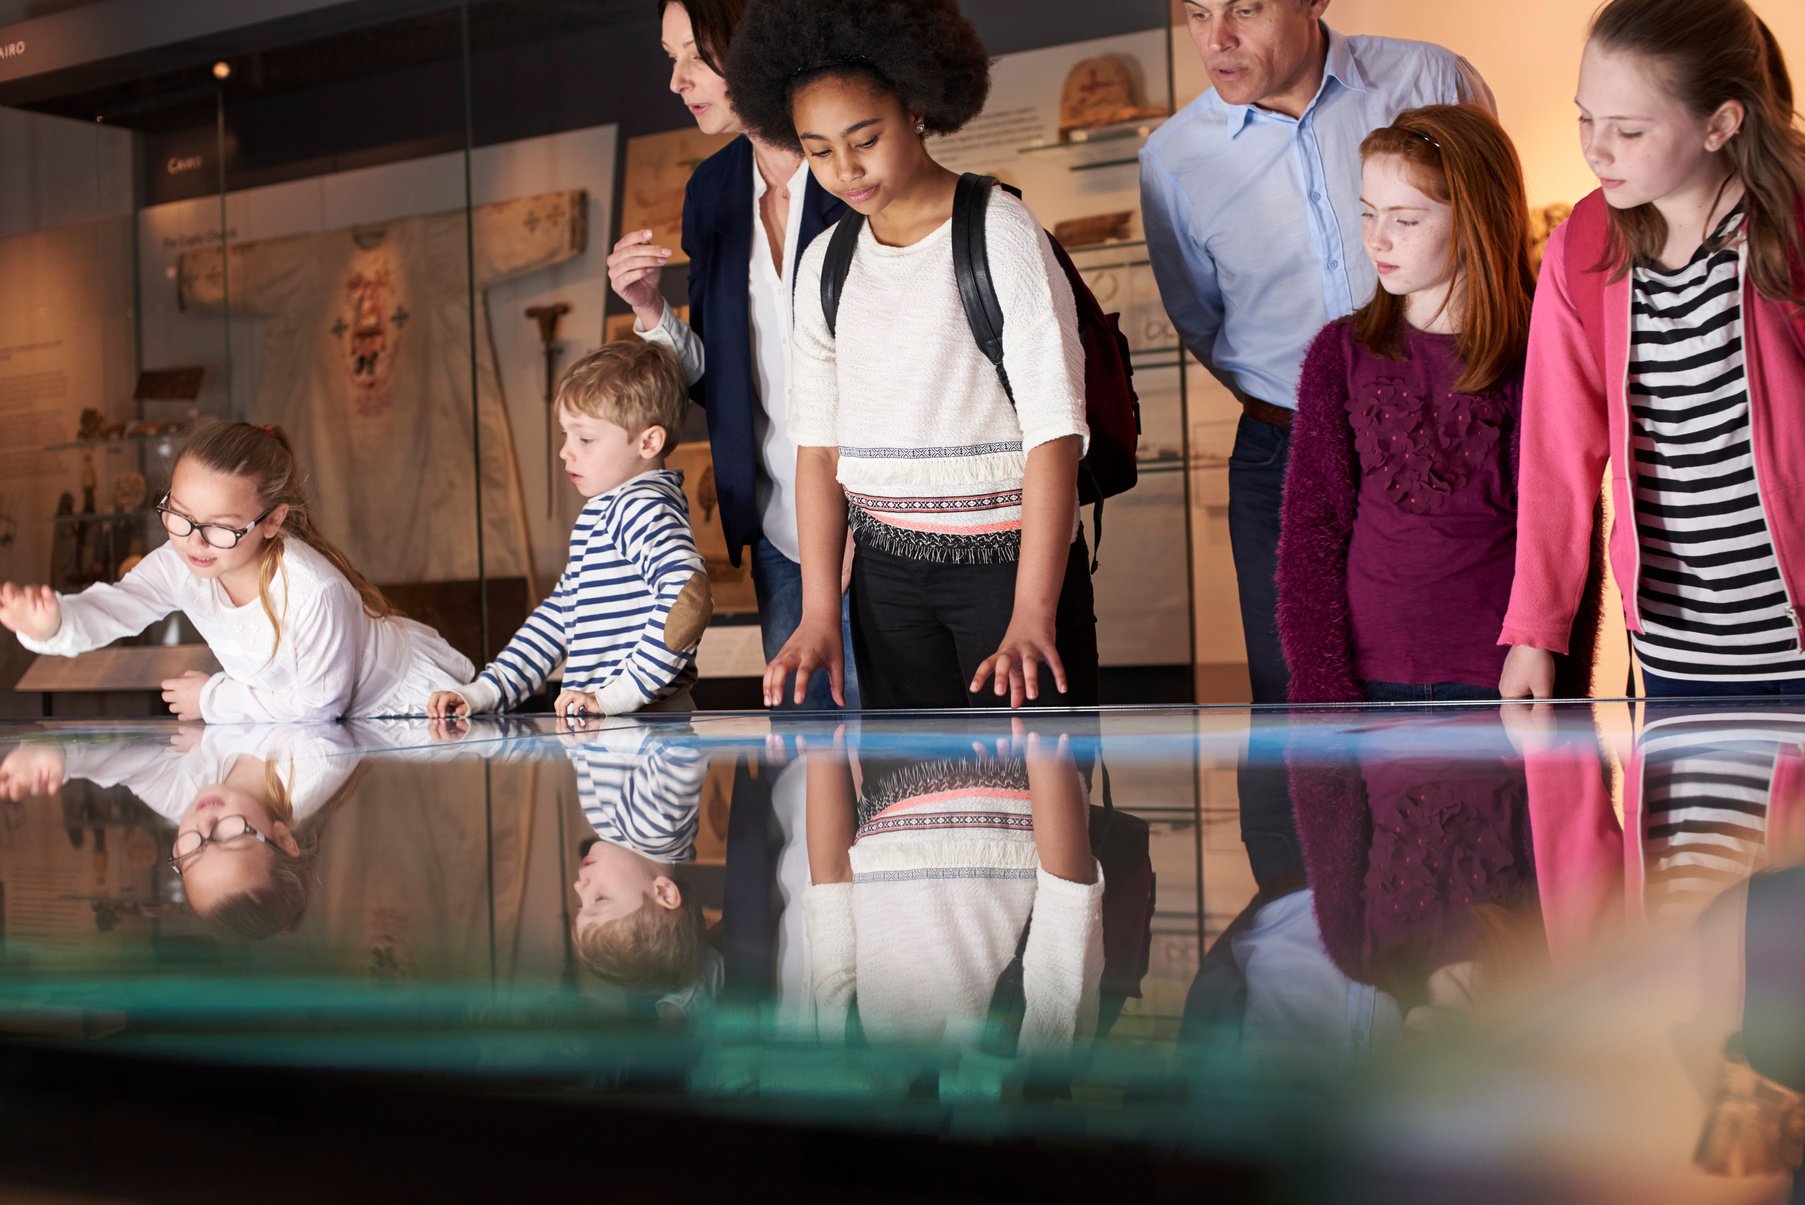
[(970, 576), (748, 211)]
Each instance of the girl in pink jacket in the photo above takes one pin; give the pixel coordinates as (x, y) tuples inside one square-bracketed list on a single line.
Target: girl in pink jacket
[(1668, 339)]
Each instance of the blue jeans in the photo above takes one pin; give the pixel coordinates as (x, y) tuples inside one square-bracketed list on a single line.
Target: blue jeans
[(1439, 692), (1654, 686), (1256, 487), (777, 580)]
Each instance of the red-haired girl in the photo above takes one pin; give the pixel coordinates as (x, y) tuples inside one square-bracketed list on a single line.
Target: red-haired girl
[(1398, 532)]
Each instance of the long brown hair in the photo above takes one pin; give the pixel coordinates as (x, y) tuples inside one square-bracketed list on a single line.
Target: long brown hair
[(264, 456), (1461, 156), (1710, 52), (713, 22)]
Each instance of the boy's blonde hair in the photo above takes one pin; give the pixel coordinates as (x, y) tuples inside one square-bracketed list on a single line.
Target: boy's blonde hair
[(653, 949), (632, 384)]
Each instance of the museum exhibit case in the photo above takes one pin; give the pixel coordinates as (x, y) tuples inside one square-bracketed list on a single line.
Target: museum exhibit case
[(1545, 951)]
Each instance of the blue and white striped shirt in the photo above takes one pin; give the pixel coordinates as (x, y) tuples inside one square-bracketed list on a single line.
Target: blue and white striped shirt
[(631, 554), (642, 790)]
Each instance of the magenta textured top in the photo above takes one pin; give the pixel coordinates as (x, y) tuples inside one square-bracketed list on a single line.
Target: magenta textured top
[(1400, 518)]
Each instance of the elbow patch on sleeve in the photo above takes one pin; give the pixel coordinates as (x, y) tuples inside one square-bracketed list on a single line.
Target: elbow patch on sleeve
[(689, 615)]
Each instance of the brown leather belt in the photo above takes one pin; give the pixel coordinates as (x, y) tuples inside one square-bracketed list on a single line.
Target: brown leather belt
[(1266, 412)]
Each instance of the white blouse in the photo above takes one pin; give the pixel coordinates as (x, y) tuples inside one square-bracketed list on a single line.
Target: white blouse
[(333, 661)]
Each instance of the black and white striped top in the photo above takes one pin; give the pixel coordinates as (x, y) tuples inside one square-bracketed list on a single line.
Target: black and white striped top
[(1713, 604), (1707, 785)]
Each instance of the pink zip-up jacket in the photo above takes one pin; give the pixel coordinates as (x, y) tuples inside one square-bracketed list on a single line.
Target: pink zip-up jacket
[(1576, 415)]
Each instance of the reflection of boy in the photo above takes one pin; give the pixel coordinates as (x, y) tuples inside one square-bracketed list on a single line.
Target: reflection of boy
[(636, 924)]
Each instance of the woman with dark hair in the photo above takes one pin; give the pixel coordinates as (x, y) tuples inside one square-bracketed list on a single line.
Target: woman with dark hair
[(961, 492), (748, 212)]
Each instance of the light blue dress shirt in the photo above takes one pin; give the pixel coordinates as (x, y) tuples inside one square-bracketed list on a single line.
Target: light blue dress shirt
[(1253, 217)]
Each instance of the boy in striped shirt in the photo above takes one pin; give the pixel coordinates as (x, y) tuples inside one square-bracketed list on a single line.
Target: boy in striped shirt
[(630, 608)]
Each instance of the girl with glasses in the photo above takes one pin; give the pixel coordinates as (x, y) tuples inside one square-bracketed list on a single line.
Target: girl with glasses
[(301, 634)]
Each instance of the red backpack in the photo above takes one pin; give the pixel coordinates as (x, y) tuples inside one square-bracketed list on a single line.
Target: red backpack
[(1111, 408)]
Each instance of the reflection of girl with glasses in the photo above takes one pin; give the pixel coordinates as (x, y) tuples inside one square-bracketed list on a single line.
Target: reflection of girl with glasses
[(300, 633), (248, 803)]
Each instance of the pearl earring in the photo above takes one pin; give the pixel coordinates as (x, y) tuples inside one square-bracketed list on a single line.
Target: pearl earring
[(921, 127)]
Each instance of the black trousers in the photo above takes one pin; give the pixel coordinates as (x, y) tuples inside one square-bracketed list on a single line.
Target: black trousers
[(920, 629)]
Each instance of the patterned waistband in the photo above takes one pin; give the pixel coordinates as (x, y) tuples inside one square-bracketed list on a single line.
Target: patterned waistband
[(989, 548)]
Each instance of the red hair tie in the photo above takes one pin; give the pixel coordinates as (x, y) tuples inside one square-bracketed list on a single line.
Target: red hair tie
[(267, 430)]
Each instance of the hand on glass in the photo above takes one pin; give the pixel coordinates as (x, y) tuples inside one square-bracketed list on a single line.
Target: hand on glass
[(1528, 673), (446, 705), (1014, 669), (575, 707), (183, 694), (33, 611), (814, 646)]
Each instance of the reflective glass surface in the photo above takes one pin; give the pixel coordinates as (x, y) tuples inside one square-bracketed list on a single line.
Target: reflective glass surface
[(1342, 953)]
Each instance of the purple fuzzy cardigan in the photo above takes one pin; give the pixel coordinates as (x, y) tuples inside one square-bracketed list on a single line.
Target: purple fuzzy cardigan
[(1322, 488)]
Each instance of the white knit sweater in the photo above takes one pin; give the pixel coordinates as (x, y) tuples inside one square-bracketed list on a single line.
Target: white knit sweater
[(932, 454)]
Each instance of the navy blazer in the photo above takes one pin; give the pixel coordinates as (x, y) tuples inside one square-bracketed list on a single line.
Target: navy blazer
[(717, 237)]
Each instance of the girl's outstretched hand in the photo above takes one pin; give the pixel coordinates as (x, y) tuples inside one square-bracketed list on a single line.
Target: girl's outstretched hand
[(31, 770), (813, 647), (33, 611), (1014, 669), (1528, 673)]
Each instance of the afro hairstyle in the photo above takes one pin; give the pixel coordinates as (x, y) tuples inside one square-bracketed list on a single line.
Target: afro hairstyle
[(923, 51)]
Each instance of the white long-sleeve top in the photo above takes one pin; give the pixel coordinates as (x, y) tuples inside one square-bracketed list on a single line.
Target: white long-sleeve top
[(333, 661), (944, 880), (932, 453), (312, 760)]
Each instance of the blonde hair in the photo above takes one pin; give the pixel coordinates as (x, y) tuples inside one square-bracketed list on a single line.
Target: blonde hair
[(264, 456), (632, 384), (651, 949)]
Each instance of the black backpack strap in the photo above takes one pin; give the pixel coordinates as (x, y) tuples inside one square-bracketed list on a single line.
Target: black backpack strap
[(834, 269), (971, 268)]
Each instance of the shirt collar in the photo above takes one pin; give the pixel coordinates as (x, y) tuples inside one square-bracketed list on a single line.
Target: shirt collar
[(797, 182), (1339, 66)]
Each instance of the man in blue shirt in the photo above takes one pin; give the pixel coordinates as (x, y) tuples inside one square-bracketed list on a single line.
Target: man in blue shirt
[(1251, 198)]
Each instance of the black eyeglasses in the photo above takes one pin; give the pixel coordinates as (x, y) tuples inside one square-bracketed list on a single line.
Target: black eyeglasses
[(231, 832), (217, 535)]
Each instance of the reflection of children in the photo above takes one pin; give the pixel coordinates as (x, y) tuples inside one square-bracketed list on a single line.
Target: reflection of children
[(300, 633), (248, 803), (629, 611), (925, 889), (1421, 866), (636, 924)]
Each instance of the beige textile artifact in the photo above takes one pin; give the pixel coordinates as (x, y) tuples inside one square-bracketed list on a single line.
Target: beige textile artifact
[(1100, 92)]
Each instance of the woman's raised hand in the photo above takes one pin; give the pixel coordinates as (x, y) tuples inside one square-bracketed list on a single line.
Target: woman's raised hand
[(33, 611), (635, 269)]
